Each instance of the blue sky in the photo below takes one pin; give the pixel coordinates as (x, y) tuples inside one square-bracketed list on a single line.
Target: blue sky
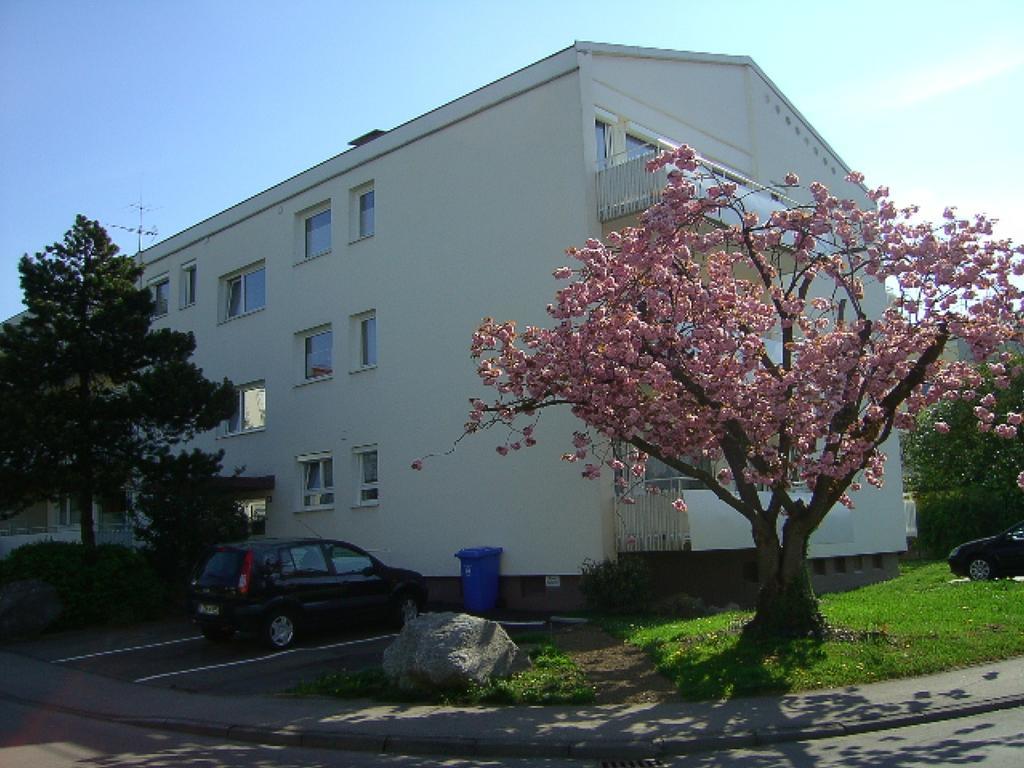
[(195, 106)]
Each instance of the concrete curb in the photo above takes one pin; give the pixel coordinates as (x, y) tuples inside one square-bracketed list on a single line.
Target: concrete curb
[(595, 748)]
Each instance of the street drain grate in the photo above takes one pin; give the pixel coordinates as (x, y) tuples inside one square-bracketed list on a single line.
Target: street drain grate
[(647, 762)]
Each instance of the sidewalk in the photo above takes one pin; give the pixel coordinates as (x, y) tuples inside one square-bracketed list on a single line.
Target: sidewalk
[(594, 732)]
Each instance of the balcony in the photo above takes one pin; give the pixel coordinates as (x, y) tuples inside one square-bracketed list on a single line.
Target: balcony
[(628, 188), (651, 523)]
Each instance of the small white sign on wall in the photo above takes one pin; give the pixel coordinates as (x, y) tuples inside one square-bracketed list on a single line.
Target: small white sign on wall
[(552, 582)]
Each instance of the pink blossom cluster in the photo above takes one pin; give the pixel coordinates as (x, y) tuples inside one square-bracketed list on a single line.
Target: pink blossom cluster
[(764, 344)]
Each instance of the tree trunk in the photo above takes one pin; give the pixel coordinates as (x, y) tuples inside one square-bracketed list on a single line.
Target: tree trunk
[(786, 604), (84, 499)]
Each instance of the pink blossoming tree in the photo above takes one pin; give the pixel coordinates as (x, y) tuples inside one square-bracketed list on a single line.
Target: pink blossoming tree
[(754, 332)]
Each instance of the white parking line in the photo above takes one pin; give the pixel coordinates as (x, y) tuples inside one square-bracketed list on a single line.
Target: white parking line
[(261, 658), (125, 650)]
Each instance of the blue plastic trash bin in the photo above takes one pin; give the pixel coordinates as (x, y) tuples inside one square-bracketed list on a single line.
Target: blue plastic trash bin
[(479, 577)]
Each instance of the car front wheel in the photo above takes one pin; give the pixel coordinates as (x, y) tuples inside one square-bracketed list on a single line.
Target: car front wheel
[(980, 569), (279, 630)]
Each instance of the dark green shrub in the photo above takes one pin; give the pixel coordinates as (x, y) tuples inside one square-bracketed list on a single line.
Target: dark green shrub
[(948, 518), (106, 585), (182, 513), (622, 586)]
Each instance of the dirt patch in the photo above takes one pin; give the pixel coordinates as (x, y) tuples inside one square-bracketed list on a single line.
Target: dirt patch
[(620, 673)]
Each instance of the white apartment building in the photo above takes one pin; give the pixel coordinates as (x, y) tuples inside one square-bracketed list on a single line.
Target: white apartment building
[(341, 302)]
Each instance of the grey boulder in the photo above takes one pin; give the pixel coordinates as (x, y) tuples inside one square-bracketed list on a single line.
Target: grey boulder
[(450, 651), (27, 608)]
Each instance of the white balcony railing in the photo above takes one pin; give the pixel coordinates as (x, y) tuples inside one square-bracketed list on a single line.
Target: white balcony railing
[(628, 188), (651, 523)]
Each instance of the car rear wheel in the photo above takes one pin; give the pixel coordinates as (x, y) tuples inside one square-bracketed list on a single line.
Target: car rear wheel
[(405, 609), (279, 630), (980, 569)]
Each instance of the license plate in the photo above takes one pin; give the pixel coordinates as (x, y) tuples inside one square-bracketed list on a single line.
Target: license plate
[(206, 609)]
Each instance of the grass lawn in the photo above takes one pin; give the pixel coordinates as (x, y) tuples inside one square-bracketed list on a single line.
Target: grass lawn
[(553, 679), (919, 623)]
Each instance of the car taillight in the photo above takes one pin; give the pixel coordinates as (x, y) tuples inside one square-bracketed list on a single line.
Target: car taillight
[(246, 575)]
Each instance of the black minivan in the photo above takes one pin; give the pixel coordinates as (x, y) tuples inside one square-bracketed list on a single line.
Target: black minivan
[(277, 588)]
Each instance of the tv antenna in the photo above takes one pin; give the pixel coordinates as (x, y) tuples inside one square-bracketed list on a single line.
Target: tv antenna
[(140, 230)]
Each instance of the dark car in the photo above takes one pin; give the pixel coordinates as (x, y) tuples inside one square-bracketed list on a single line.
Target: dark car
[(277, 588), (989, 558)]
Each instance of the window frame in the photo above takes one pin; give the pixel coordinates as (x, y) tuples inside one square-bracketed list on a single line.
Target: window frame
[(240, 392), (155, 285), (306, 338), (309, 216), (362, 220), (315, 497), (359, 340), (241, 277), (367, 491), (189, 284)]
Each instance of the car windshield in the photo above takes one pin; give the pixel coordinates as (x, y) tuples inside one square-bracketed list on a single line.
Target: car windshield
[(221, 569)]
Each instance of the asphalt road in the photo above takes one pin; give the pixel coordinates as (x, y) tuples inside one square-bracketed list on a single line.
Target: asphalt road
[(173, 654), (33, 738)]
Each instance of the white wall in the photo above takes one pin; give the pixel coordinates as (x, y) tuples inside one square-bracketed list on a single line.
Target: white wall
[(470, 221)]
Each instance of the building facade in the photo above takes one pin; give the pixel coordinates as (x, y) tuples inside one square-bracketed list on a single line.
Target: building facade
[(341, 304)]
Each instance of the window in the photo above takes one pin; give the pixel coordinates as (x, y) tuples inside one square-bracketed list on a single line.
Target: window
[(256, 515), (318, 234), (362, 206), (245, 292), (366, 467), (318, 354), (317, 480), (604, 143), (250, 409), (188, 284), (368, 340), (618, 140), (637, 147), (69, 511), (366, 214), (303, 558), (161, 289), (348, 560)]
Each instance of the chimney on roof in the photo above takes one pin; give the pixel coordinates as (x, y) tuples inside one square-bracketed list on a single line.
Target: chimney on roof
[(366, 138)]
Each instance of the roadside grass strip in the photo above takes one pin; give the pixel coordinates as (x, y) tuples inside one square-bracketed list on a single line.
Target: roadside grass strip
[(920, 623), (553, 679)]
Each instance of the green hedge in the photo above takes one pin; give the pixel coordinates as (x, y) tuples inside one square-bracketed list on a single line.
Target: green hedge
[(948, 518), (107, 585)]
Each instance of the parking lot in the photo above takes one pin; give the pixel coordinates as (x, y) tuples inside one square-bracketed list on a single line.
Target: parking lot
[(173, 654)]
